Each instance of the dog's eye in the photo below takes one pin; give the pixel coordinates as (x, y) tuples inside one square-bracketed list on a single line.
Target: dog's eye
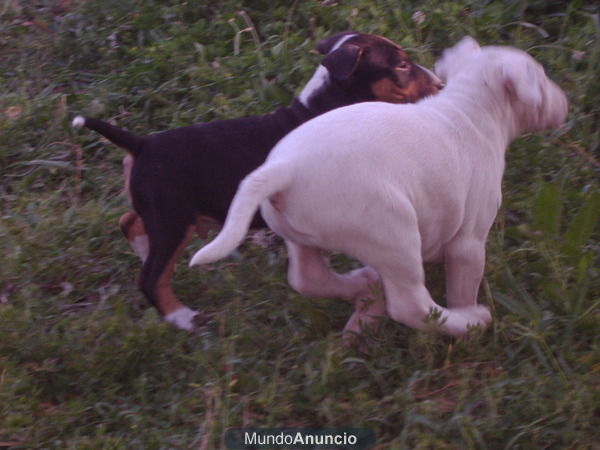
[(403, 66)]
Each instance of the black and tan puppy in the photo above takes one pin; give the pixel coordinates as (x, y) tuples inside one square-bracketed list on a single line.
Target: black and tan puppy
[(182, 181)]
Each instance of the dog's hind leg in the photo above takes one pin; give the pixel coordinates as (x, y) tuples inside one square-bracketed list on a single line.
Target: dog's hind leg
[(132, 227), (309, 274), (409, 302), (398, 260), (158, 269)]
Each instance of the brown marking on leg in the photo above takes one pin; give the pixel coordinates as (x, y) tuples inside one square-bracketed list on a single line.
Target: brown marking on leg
[(166, 300), (132, 227), (205, 224), (166, 245), (126, 221)]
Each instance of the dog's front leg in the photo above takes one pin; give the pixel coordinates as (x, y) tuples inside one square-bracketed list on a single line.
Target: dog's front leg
[(464, 261)]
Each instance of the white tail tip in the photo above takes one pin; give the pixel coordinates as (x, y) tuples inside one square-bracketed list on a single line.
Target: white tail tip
[(78, 122), (198, 259), (210, 253)]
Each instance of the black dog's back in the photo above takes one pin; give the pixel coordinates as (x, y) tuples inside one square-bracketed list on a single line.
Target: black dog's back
[(211, 157)]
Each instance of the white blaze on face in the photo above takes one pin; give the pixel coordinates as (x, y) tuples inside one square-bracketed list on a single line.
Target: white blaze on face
[(321, 76)]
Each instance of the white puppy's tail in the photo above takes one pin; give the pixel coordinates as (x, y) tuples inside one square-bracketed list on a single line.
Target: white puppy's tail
[(256, 187)]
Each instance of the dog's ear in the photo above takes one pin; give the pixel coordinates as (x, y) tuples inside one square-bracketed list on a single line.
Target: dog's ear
[(324, 46), (524, 80), (538, 101), (465, 46), (452, 57), (342, 62)]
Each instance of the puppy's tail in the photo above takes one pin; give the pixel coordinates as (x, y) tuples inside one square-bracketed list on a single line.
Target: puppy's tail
[(123, 138), (256, 187)]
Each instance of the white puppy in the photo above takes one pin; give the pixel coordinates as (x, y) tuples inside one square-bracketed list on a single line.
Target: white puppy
[(397, 185)]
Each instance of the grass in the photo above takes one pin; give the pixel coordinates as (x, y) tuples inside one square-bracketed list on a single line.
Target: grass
[(85, 363)]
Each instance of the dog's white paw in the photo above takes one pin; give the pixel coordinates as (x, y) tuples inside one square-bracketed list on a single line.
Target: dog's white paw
[(458, 321), (476, 315), (183, 318), (484, 314)]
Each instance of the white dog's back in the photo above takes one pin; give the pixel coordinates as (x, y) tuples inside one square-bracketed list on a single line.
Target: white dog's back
[(383, 162)]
